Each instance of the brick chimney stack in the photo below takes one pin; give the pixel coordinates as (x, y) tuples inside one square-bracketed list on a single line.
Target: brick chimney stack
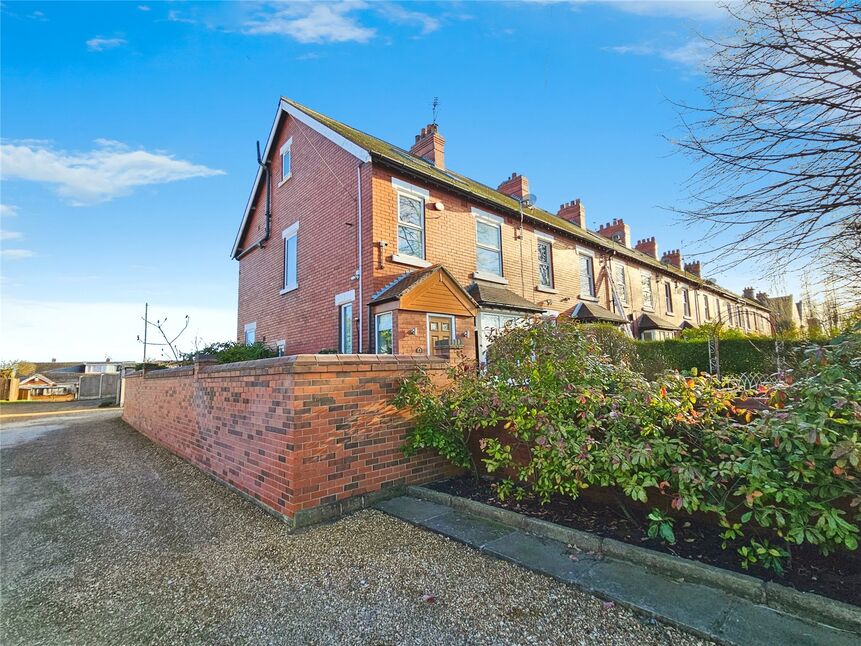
[(762, 297), (748, 292), (648, 246), (617, 231), (574, 212), (672, 257), (430, 145), (515, 186), (693, 268)]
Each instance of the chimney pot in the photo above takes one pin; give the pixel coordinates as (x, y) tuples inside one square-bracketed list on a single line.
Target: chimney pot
[(515, 186), (617, 231), (430, 145), (574, 212), (672, 257)]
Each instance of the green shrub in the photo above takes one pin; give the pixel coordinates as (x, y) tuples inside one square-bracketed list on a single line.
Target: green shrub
[(555, 415), (231, 352)]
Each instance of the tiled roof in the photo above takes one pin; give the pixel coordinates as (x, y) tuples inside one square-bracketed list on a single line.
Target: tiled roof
[(406, 282), (492, 296), (652, 322), (592, 312), (402, 284), (393, 156)]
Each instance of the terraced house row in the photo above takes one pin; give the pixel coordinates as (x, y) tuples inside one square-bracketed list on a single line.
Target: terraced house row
[(351, 244)]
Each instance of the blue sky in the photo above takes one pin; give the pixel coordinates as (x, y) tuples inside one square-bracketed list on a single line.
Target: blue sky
[(128, 134)]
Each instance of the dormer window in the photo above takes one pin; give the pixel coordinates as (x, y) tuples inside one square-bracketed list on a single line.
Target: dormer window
[(286, 160)]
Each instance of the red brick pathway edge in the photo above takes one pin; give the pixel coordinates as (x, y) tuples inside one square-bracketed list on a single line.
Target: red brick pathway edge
[(307, 437)]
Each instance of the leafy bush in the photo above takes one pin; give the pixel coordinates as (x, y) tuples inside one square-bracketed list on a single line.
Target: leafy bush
[(231, 351), (555, 416)]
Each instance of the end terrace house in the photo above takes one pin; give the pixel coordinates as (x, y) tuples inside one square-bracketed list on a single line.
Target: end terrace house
[(354, 245)]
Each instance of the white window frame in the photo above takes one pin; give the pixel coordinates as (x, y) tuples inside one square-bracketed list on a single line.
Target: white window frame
[(421, 196), (706, 309), (281, 347), (545, 240), (505, 318), (345, 328), (589, 295), (686, 303), (286, 152), (377, 331), (452, 331), (669, 308), (289, 234), (252, 328), (646, 279), (495, 221)]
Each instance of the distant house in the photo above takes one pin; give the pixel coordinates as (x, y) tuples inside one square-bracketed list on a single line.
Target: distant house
[(37, 387)]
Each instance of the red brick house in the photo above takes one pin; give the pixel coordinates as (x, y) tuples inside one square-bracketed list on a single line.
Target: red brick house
[(351, 244)]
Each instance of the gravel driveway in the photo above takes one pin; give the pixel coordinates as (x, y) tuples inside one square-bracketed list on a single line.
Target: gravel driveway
[(108, 539)]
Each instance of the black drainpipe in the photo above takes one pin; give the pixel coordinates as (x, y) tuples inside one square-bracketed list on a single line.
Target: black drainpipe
[(259, 243)]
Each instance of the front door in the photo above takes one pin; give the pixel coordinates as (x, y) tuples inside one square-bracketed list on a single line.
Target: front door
[(439, 329)]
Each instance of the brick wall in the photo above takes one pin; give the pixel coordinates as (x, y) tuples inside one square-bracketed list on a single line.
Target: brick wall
[(306, 436)]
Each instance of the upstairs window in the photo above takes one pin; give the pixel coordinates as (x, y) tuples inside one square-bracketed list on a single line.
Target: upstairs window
[(587, 276), (411, 226), (668, 297), (648, 300), (729, 314), (545, 263), (686, 303), (286, 160), (291, 277), (706, 306), (488, 246), (621, 283)]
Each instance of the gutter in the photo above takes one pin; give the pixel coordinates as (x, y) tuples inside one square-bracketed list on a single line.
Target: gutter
[(260, 243)]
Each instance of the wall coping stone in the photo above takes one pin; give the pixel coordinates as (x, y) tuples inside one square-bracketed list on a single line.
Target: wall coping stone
[(301, 363)]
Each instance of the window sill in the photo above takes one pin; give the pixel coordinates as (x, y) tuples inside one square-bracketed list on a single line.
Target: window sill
[(490, 278), (288, 289), (593, 299), (412, 261), (545, 289), (283, 181), (649, 309)]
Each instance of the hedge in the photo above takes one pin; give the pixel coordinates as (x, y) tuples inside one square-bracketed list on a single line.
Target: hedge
[(736, 355)]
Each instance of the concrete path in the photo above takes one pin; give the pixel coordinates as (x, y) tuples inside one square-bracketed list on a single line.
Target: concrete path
[(705, 611)]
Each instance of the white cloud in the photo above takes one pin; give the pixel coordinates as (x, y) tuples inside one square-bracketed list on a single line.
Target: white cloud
[(699, 9), (397, 13), (693, 53), (8, 211), (28, 328), (313, 23), (99, 175), (100, 44), (143, 7), (174, 16), (16, 254), (10, 235)]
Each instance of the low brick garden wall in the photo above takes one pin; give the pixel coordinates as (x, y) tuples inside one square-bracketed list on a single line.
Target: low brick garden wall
[(307, 436)]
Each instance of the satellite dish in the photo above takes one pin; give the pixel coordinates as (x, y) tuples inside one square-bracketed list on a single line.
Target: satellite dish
[(529, 199)]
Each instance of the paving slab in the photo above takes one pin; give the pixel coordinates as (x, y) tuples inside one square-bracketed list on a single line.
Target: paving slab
[(467, 528), (411, 509), (689, 604), (748, 623), (542, 554)]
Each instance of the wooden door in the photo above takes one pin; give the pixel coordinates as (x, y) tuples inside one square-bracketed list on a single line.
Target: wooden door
[(439, 329)]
